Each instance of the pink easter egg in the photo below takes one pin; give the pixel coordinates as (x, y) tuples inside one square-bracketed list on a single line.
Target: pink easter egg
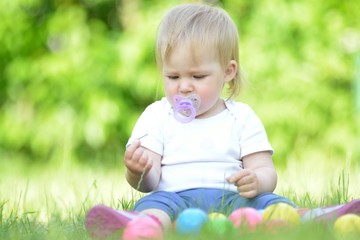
[(143, 228), (245, 217)]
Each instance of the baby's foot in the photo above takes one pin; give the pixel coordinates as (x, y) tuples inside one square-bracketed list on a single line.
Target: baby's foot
[(333, 212), (103, 222)]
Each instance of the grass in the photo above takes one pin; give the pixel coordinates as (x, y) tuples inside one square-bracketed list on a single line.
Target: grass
[(51, 202)]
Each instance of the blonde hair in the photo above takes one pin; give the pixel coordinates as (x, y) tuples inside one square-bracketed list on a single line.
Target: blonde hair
[(200, 25)]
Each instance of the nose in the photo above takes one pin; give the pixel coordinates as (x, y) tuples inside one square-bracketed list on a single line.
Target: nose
[(185, 85)]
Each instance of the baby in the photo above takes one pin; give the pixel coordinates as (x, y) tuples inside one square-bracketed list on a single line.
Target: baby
[(197, 149)]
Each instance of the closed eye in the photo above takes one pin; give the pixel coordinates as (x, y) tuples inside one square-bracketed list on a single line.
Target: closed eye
[(199, 76), (174, 77)]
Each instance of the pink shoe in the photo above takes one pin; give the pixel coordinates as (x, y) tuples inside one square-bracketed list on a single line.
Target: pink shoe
[(103, 222), (331, 213)]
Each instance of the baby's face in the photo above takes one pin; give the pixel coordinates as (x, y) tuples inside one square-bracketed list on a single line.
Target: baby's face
[(186, 73)]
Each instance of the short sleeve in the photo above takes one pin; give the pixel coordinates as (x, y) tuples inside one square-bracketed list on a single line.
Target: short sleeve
[(252, 134), (149, 127)]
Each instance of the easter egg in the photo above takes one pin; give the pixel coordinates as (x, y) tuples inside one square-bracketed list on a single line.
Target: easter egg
[(281, 212), (260, 211), (215, 215), (218, 226), (191, 221), (143, 228), (275, 224), (348, 223), (245, 217)]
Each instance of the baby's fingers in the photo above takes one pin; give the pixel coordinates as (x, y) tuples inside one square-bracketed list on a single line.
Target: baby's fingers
[(130, 150), (236, 177), (248, 194)]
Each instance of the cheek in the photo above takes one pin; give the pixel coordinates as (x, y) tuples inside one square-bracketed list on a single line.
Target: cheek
[(210, 91), (168, 87), (170, 92), (208, 99), (210, 95)]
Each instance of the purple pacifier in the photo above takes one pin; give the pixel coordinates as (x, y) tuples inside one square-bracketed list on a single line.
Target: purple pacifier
[(185, 107)]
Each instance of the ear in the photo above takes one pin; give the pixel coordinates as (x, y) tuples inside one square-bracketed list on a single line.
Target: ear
[(231, 70)]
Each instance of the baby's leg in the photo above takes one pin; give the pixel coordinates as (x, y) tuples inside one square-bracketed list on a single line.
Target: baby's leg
[(161, 215), (259, 202), (163, 205)]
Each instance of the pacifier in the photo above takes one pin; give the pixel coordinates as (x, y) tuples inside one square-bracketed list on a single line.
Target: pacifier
[(185, 107)]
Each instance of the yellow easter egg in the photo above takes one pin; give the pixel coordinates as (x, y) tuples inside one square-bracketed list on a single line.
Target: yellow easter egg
[(215, 215), (348, 223), (283, 212)]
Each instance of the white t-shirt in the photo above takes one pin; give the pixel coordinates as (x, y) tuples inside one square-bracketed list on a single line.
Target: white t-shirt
[(203, 152)]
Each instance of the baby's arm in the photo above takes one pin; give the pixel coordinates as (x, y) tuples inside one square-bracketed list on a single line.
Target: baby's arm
[(143, 167), (258, 176)]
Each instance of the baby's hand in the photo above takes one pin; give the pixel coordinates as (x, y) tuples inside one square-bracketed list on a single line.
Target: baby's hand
[(246, 182), (137, 159)]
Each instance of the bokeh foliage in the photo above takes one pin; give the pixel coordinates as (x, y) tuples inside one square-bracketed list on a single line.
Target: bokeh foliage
[(76, 74)]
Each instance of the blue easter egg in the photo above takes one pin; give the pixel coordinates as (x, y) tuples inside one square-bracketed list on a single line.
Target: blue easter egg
[(191, 221), (261, 211)]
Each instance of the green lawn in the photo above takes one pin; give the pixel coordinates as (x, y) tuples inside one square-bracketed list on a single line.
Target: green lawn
[(51, 202)]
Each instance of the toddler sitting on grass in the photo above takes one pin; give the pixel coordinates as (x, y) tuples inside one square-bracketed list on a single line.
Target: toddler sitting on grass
[(197, 149)]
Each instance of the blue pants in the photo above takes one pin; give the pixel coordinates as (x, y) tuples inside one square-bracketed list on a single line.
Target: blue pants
[(209, 200)]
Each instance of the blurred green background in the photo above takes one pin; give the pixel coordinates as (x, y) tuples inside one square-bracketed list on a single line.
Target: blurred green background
[(76, 74)]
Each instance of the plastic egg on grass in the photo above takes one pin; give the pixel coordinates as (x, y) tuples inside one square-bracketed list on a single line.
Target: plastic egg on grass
[(143, 228), (245, 217), (275, 225), (215, 215), (348, 224), (218, 226), (260, 211), (281, 213), (191, 221)]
